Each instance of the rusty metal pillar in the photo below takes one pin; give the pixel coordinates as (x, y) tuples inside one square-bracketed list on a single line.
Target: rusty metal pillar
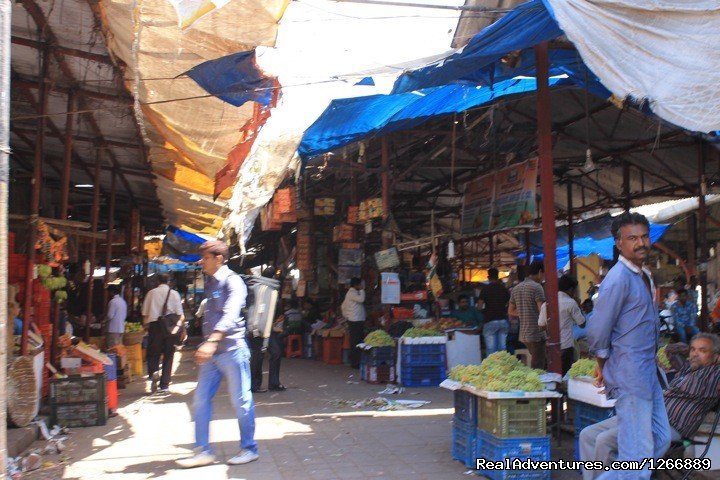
[(385, 176), (109, 237), (547, 189), (67, 157), (95, 214), (692, 242), (571, 229), (702, 238), (461, 244), (35, 200)]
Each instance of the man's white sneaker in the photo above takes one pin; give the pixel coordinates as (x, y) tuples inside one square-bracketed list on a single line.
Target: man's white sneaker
[(245, 456), (201, 459)]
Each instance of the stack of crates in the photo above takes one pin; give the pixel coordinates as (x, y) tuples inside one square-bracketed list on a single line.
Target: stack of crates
[(422, 365), (464, 428), (78, 401), (586, 415), (377, 365), (332, 350), (513, 428), (111, 387)]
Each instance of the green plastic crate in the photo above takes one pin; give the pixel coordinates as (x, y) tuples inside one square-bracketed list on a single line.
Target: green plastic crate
[(512, 417)]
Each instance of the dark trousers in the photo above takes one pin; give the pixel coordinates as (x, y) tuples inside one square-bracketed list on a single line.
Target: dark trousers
[(537, 350), (275, 348), (357, 329), (568, 358), (256, 361), (160, 345)]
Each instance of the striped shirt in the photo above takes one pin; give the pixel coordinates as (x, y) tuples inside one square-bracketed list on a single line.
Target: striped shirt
[(690, 396), (525, 296)]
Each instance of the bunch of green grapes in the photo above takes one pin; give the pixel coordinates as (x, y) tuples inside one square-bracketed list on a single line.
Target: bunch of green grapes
[(663, 359), (420, 332), (132, 327), (465, 373), (54, 283), (585, 367), (61, 296), (379, 338), (499, 364)]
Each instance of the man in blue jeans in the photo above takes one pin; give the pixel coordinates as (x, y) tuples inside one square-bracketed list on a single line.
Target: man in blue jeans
[(623, 336), (493, 301), (224, 354)]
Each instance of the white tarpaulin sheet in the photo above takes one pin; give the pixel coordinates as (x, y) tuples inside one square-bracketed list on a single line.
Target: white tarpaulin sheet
[(663, 51)]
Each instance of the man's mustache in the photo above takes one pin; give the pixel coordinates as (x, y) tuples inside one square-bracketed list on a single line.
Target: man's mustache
[(641, 249)]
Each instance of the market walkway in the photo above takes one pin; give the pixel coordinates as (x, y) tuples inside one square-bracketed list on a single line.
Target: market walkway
[(302, 435)]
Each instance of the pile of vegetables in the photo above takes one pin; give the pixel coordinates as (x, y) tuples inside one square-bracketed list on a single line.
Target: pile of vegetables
[(132, 327), (499, 372), (663, 359), (444, 324), (379, 338), (420, 332), (585, 367)]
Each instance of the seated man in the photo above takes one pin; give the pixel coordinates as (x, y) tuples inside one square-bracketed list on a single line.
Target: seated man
[(469, 316), (693, 393), (685, 315)]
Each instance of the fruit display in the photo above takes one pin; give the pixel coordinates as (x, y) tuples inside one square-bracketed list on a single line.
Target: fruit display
[(585, 367), (499, 372), (444, 324), (44, 271), (131, 327), (663, 359), (54, 283), (420, 332), (61, 296), (379, 338)]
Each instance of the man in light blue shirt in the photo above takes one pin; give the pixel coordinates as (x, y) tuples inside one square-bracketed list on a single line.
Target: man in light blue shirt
[(116, 316), (623, 336), (223, 354), (685, 316)]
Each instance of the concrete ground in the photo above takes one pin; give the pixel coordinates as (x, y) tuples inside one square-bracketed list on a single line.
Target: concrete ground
[(301, 434)]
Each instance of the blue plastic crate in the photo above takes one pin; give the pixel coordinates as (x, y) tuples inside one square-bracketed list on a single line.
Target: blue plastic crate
[(586, 415), (380, 353), (424, 376), (498, 449), (463, 443), (424, 348), (577, 449), (419, 359), (465, 407)]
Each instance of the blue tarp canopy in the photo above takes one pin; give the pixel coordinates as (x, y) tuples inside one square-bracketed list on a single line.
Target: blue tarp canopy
[(588, 245), (182, 245), (235, 79), (478, 75)]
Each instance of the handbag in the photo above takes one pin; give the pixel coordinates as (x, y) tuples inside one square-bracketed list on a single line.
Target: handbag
[(169, 322)]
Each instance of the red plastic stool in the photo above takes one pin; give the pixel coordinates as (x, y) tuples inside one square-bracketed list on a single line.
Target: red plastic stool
[(294, 346)]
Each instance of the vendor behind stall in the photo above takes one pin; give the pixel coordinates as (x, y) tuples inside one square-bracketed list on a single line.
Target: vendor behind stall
[(470, 316)]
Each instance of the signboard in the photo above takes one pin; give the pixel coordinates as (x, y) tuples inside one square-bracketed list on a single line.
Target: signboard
[(390, 288), (502, 199)]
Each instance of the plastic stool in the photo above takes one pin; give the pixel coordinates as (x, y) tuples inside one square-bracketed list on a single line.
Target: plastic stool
[(294, 346), (524, 356)]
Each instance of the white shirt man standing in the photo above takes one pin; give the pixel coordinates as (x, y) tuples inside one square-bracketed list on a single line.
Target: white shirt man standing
[(354, 312), (116, 316), (159, 344)]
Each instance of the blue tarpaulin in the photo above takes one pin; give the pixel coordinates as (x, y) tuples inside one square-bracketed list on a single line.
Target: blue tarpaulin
[(182, 245), (524, 27), (351, 119), (235, 79), (588, 245)]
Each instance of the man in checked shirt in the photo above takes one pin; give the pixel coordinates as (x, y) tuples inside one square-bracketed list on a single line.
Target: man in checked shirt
[(693, 393)]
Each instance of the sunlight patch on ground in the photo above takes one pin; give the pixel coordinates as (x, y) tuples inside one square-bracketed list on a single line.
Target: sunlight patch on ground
[(420, 412)]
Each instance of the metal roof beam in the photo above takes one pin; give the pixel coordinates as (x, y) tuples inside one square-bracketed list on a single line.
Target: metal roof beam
[(95, 57)]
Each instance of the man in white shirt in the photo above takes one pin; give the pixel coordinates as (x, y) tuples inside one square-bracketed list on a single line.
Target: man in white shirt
[(570, 314), (116, 316), (160, 344), (354, 312)]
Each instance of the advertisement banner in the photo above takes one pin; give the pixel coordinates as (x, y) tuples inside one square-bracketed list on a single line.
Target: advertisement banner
[(502, 199)]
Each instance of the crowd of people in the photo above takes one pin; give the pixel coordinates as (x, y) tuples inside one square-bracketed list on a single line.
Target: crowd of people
[(619, 322)]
